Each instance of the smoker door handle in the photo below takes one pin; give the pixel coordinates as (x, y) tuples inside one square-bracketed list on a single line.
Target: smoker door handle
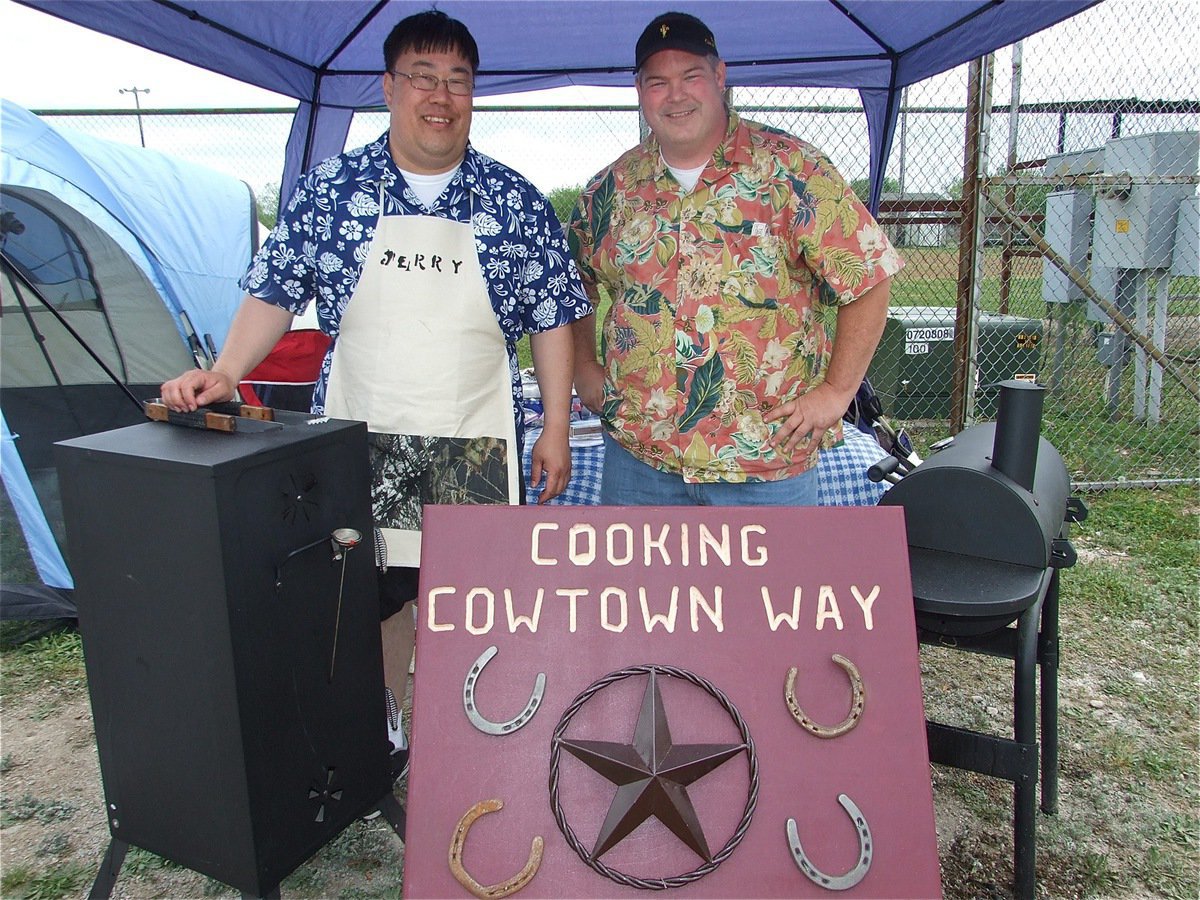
[(1062, 554)]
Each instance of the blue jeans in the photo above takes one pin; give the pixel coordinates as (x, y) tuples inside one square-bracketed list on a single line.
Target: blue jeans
[(630, 482)]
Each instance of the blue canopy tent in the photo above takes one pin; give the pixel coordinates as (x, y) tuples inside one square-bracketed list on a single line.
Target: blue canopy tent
[(104, 248), (326, 53)]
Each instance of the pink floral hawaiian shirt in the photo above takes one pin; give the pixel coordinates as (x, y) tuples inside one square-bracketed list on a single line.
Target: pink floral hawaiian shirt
[(723, 298)]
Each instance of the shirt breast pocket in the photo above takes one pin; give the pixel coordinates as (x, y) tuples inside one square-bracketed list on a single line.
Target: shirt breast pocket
[(755, 250)]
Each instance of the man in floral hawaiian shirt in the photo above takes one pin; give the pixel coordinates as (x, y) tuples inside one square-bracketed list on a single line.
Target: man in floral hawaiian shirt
[(732, 253), (427, 261)]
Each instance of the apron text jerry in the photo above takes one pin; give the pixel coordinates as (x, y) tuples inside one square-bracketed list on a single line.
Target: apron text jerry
[(421, 359)]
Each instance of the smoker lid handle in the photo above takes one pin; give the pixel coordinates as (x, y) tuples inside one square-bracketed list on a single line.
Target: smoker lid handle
[(1077, 510), (1062, 554)]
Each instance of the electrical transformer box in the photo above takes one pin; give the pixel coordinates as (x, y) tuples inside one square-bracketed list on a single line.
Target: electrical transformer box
[(1186, 258), (1069, 234), (913, 367), (1135, 224)]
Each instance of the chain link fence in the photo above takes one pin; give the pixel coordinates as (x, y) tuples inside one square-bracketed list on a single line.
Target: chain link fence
[(1044, 201)]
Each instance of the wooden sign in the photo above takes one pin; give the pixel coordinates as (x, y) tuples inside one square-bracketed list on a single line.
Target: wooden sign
[(718, 702)]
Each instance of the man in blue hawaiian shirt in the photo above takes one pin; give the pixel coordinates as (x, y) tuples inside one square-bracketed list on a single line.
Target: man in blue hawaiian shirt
[(449, 257)]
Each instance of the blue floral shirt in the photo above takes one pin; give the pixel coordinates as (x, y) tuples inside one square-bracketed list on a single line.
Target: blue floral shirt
[(320, 243)]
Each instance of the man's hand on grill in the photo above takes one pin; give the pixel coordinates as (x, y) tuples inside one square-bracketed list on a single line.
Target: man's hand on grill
[(196, 388)]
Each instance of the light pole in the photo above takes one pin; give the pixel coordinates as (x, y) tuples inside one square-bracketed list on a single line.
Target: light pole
[(136, 102)]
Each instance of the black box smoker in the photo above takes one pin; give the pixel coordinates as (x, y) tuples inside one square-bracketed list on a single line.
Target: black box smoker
[(230, 627)]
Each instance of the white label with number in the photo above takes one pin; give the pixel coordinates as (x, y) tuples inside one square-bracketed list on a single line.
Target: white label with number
[(929, 334), (916, 348)]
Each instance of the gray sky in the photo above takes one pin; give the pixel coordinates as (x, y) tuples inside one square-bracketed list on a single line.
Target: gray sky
[(46, 63), (1118, 49)]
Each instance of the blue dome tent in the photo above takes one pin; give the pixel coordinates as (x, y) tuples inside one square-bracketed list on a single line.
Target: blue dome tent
[(106, 251)]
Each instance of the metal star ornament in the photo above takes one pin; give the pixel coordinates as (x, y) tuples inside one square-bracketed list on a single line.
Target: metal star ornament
[(652, 775)]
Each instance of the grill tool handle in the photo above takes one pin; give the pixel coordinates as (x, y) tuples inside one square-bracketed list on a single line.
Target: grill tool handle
[(883, 469), (215, 417)]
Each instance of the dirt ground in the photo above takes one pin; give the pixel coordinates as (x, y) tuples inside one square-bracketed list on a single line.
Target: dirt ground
[(54, 812), (1128, 823), (54, 821)]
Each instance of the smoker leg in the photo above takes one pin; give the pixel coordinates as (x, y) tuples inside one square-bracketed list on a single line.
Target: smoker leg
[(110, 868), (1025, 732), (1024, 838), (1048, 654), (394, 813)]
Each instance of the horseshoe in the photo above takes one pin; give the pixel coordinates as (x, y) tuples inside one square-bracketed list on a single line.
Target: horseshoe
[(860, 869), (857, 702), (487, 726), (490, 891)]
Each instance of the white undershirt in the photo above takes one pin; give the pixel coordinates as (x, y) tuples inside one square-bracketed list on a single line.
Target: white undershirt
[(686, 177), (428, 187)]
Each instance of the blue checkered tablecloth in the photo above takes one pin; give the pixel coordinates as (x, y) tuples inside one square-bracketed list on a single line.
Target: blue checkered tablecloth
[(842, 473)]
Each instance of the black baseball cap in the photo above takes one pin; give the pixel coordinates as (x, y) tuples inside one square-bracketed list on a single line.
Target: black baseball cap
[(674, 31)]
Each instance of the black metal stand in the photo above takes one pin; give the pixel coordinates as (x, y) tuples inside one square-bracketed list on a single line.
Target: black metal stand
[(110, 868), (1031, 644), (391, 810), (114, 857)]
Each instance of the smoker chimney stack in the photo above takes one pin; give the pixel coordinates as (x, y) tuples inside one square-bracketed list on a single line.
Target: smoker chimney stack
[(1018, 428)]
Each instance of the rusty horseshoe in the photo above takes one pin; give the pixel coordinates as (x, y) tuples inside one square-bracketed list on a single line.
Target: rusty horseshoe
[(487, 726), (857, 872), (856, 704), (490, 891)]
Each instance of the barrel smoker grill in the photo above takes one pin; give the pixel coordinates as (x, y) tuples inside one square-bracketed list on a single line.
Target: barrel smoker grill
[(987, 520)]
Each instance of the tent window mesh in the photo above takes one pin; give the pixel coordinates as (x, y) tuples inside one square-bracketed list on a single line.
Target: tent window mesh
[(46, 252)]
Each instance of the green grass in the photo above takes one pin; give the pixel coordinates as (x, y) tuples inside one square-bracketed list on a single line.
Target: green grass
[(16, 565), (1163, 551), (1134, 522), (54, 661), (1129, 748), (24, 883), (139, 862)]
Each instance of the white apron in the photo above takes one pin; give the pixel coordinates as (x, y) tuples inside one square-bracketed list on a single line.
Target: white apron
[(421, 359)]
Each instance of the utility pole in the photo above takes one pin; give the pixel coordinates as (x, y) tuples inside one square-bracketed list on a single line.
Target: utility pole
[(136, 102)]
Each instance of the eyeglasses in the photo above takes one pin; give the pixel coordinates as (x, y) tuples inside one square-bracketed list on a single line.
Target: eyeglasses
[(460, 87)]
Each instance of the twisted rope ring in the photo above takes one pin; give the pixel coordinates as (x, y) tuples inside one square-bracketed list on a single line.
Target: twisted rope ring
[(674, 881)]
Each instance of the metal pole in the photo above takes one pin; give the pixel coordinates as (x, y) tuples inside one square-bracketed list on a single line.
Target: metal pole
[(902, 229), (1161, 295), (970, 258), (1010, 196), (137, 103)]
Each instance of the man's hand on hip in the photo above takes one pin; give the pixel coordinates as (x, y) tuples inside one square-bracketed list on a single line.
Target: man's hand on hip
[(804, 420)]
